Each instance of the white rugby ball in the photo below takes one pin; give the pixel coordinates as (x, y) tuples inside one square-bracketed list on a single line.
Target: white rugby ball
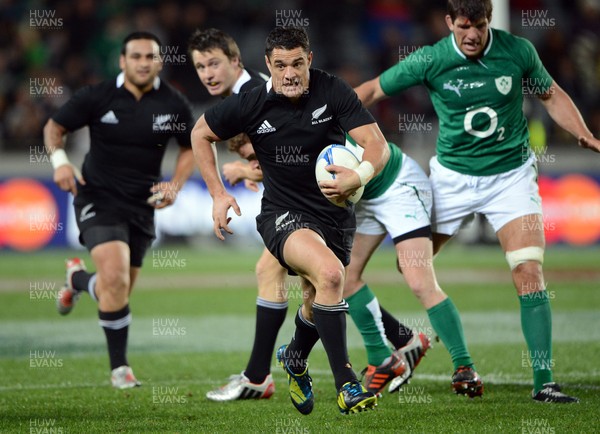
[(340, 156)]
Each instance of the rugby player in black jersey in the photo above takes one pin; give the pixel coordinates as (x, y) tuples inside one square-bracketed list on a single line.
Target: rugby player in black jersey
[(131, 120), (218, 62), (290, 120)]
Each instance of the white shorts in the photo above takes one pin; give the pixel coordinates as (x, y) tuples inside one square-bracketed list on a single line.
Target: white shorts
[(500, 198), (404, 207)]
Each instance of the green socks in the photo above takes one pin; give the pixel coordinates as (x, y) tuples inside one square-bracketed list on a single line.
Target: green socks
[(536, 322), (364, 310), (446, 322)]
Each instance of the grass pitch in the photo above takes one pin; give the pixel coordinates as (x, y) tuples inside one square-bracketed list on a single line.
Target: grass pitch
[(193, 327)]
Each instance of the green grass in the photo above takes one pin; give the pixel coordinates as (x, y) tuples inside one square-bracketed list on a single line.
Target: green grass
[(54, 370)]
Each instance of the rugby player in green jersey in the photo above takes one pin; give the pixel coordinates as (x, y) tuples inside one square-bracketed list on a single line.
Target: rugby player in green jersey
[(396, 202), (484, 164)]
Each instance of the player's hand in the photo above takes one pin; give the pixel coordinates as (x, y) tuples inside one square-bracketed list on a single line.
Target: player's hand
[(65, 176), (164, 194), (589, 143), (254, 171), (234, 172), (221, 205), (251, 185), (345, 183)]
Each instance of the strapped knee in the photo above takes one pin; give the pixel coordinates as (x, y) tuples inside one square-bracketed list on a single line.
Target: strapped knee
[(520, 256)]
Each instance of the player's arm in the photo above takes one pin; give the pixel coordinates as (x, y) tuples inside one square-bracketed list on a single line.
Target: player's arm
[(237, 171), (370, 92), (165, 193), (65, 173), (563, 111), (249, 172), (205, 154), (376, 155), (376, 152)]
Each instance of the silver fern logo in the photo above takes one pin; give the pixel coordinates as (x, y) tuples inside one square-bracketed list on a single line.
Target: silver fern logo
[(317, 114)]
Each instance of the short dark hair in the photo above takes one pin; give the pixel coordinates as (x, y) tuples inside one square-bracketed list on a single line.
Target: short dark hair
[(209, 39), (474, 10), (287, 38), (139, 35), (236, 142)]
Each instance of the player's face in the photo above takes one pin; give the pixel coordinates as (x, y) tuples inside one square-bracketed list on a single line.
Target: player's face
[(289, 71), (246, 151), (216, 71), (471, 36), (141, 62)]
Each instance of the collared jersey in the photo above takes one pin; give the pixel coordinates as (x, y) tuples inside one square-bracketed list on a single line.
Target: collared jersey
[(287, 138), (128, 138), (483, 130), (249, 80)]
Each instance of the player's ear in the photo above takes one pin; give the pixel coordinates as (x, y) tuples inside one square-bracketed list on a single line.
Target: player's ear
[(449, 23), (157, 58), (268, 63), (122, 62), (310, 58)]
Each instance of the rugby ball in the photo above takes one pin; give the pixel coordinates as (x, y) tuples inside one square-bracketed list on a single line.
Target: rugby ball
[(340, 156)]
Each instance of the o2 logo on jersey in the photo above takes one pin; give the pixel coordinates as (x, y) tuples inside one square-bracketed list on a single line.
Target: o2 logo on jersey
[(492, 116)]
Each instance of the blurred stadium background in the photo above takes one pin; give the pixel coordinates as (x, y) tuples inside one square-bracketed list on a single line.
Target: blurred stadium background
[(54, 371), (49, 49)]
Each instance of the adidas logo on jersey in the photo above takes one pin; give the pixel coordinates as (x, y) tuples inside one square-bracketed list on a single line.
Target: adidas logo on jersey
[(265, 127), (109, 118)]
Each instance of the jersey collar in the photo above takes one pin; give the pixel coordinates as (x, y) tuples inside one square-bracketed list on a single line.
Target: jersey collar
[(487, 49), (269, 84), (121, 81), (243, 79)]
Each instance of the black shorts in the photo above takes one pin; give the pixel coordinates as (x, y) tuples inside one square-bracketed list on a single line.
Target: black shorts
[(276, 226), (101, 225)]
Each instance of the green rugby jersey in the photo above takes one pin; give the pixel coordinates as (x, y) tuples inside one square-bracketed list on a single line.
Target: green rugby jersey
[(380, 183), (479, 103)]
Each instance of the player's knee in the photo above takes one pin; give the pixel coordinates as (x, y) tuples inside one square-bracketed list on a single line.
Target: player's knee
[(115, 282), (330, 278), (525, 258), (421, 283), (419, 288)]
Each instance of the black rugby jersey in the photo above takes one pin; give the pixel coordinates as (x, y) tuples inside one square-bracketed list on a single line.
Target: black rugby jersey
[(249, 80), (128, 139), (287, 138)]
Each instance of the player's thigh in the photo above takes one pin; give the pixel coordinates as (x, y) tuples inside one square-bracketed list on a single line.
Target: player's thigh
[(306, 252), (276, 227), (524, 231), (415, 259), (270, 276), (111, 259), (363, 248), (453, 198), (511, 201)]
